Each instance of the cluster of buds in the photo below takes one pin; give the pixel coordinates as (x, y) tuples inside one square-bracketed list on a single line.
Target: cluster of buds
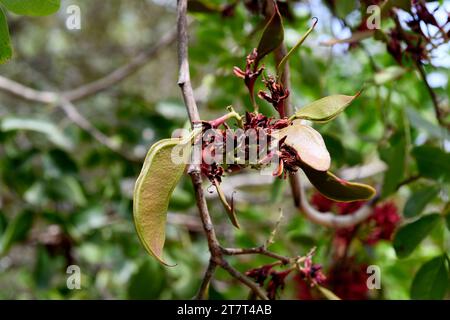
[(310, 272), (251, 73), (278, 94)]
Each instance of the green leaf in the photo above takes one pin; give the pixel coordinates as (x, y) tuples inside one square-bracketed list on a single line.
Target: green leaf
[(433, 130), (409, 236), (32, 7), (389, 74), (5, 42), (325, 109), (355, 37), (272, 37), (432, 162), (280, 67), (394, 156), (418, 201), (53, 133), (431, 282), (338, 189), (147, 282), (154, 186), (17, 230)]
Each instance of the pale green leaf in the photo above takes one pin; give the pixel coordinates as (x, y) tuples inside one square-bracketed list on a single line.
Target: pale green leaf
[(325, 109), (49, 129)]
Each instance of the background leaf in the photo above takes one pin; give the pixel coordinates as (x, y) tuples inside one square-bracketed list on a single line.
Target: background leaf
[(32, 7), (433, 162), (16, 231), (410, 235), (432, 280), (52, 132), (418, 200), (5, 42)]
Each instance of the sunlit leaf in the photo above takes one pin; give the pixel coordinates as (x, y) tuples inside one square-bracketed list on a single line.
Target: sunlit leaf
[(418, 200), (409, 236), (431, 282), (272, 36), (280, 67), (309, 145), (389, 74), (355, 37), (154, 186), (5, 42), (325, 109), (32, 7), (49, 129), (338, 189)]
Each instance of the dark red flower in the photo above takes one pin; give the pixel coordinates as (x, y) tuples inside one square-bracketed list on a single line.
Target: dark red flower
[(251, 72), (386, 219), (276, 283), (277, 94), (349, 207), (348, 281), (260, 274)]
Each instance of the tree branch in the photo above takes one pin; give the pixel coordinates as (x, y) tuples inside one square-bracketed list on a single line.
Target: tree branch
[(204, 287), (262, 250), (94, 87)]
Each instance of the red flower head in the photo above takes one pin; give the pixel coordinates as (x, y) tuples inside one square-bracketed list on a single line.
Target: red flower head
[(386, 219)]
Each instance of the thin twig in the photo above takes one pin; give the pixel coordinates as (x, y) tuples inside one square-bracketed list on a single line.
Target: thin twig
[(437, 109), (204, 287), (257, 250)]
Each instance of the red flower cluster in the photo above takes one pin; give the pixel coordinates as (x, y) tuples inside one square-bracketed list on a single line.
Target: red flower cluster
[(348, 281), (382, 223), (386, 219), (276, 279)]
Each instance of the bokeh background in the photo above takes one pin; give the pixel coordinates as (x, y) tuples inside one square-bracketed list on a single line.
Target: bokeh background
[(66, 198)]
